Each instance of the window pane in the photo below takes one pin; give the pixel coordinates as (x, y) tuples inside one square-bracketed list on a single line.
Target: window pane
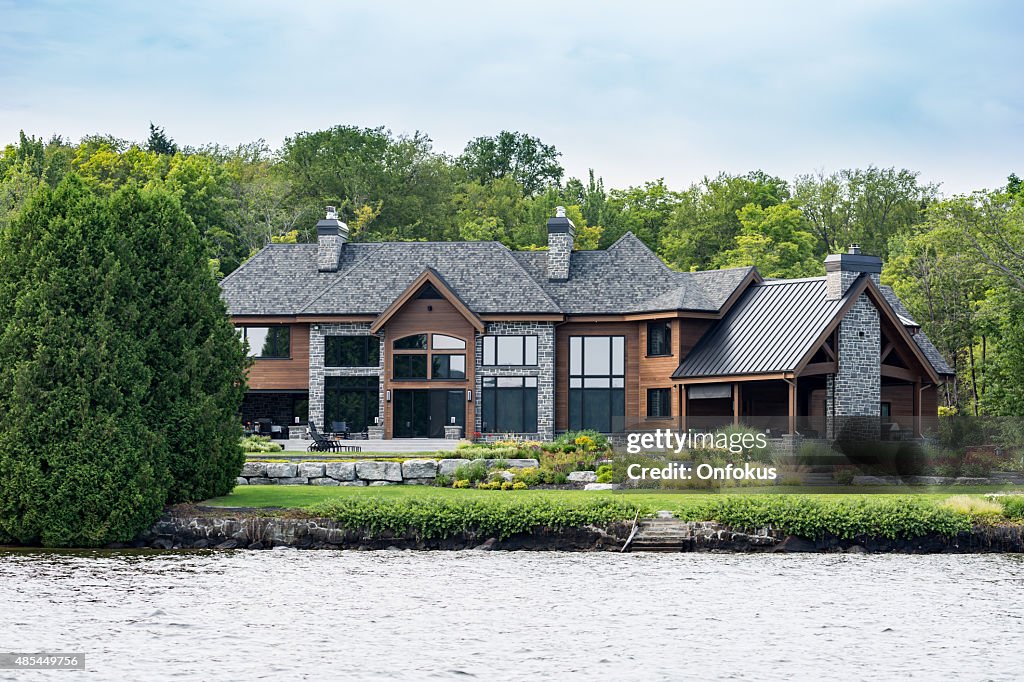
[(510, 410), (596, 352), (351, 351), (510, 350), (257, 338), (510, 382), (531, 382), (529, 410), (531, 350), (575, 355), (489, 355), (488, 381), (410, 366), (458, 366), (352, 400), (443, 342), (448, 367), (596, 410), (457, 407), (414, 342), (618, 355), (596, 382), (575, 383)]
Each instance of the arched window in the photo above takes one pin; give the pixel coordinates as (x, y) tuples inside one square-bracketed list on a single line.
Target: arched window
[(420, 357)]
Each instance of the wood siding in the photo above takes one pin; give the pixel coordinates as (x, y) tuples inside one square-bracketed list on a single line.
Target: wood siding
[(285, 374), (427, 316)]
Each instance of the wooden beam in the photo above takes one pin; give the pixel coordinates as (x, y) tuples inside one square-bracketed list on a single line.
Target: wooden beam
[(736, 403), (726, 378), (792, 406), (917, 408), (682, 407), (887, 350), (820, 368), (899, 373)]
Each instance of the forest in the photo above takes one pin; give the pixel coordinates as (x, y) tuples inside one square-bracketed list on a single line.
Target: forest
[(956, 261)]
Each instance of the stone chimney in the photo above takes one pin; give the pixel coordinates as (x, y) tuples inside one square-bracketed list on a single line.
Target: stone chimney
[(561, 236), (841, 269), (331, 235)]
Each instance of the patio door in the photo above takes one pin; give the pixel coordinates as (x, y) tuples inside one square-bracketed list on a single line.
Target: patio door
[(423, 413)]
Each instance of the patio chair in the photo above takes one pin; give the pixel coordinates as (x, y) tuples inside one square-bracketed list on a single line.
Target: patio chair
[(340, 429), (320, 442)]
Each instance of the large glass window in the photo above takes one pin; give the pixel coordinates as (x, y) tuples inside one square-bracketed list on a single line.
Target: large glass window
[(659, 402), (597, 383), (515, 351), (509, 405), (659, 338), (351, 351), (448, 366), (414, 342), (410, 366), (350, 403), (268, 342), (442, 342)]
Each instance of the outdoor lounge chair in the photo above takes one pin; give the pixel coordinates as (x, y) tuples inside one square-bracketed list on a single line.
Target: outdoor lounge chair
[(320, 442), (340, 429)]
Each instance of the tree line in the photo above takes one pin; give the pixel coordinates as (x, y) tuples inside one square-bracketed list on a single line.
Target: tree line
[(957, 262)]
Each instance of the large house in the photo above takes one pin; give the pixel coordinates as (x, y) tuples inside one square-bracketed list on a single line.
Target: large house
[(424, 339)]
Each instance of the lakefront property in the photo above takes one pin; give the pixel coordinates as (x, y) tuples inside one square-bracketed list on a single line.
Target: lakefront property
[(462, 339)]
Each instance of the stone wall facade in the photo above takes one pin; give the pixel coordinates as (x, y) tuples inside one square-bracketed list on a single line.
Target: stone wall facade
[(317, 370), (544, 371), (559, 253), (856, 389)]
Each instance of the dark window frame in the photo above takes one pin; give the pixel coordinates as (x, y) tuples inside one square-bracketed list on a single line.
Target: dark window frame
[(366, 387), (288, 340), (491, 394), (664, 329), (371, 347), (582, 396), (662, 399), (445, 359), (489, 350), (396, 375)]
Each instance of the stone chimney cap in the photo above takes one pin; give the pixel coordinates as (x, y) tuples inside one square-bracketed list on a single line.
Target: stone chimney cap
[(332, 213), (559, 211), (853, 249)]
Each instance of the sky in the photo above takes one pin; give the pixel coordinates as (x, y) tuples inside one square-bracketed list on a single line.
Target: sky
[(635, 90)]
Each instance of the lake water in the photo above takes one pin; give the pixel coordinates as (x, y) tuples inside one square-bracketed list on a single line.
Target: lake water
[(322, 615)]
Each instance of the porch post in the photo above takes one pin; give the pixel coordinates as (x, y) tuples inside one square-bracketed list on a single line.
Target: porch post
[(917, 408), (792, 406), (735, 403), (682, 407)]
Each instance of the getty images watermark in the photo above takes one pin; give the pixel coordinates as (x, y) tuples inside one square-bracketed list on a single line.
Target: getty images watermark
[(698, 442)]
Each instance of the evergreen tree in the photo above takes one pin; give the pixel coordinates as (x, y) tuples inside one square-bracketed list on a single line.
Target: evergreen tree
[(79, 458), (159, 143)]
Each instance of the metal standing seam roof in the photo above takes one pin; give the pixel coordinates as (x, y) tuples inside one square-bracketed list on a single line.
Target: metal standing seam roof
[(769, 330)]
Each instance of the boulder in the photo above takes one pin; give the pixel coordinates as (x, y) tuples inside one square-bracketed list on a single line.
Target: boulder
[(282, 470), (447, 467), (311, 469), (967, 480), (379, 471), (418, 481), (241, 481), (323, 480), (383, 482), (262, 480), (293, 480), (928, 480), (227, 544), (505, 476), (602, 486), (419, 468), (522, 463), (250, 469), (341, 471), (355, 483), (582, 477), (876, 480)]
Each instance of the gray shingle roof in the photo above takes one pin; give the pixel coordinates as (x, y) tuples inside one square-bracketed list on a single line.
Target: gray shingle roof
[(630, 278), (770, 329)]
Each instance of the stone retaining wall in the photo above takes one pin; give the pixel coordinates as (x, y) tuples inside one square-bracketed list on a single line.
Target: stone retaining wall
[(361, 473)]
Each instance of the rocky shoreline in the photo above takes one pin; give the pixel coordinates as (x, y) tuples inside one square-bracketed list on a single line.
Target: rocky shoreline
[(209, 528)]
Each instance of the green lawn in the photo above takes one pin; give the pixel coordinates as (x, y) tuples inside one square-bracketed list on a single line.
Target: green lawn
[(301, 496)]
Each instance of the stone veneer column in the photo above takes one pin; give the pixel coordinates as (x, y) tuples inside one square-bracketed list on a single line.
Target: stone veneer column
[(544, 371), (317, 371), (856, 389)]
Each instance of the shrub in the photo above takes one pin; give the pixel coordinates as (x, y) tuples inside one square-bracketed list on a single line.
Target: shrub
[(844, 476), (519, 485), (903, 517), (260, 444), (604, 473), (530, 476), (443, 481), (977, 508), (1013, 506), (598, 440), (507, 485), (498, 516), (559, 478), (461, 483), (472, 472)]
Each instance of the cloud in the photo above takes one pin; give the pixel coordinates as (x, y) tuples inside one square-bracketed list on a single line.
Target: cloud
[(635, 90)]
